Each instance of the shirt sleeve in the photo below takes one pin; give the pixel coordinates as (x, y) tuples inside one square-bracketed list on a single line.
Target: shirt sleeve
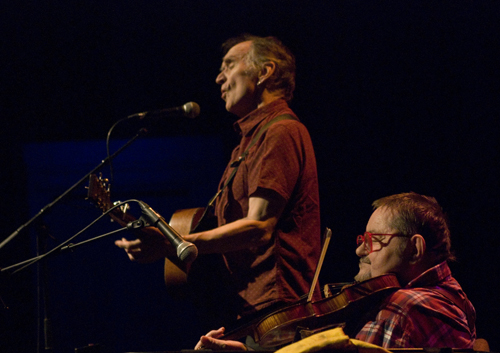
[(278, 160)]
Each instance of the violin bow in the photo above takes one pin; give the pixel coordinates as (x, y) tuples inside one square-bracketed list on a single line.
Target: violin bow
[(327, 236)]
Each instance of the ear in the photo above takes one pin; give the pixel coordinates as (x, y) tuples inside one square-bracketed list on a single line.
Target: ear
[(267, 70), (418, 248)]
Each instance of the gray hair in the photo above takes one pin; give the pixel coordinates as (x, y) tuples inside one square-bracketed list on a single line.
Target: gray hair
[(265, 49)]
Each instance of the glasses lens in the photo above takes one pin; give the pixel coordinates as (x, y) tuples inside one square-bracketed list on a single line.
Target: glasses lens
[(366, 238)]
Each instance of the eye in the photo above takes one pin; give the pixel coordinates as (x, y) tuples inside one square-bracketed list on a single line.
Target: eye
[(226, 67)]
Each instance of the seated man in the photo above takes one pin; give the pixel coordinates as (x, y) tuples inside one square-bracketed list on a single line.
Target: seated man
[(407, 235)]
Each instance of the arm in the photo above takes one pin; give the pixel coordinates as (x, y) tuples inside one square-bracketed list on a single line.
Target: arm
[(265, 205), (265, 208)]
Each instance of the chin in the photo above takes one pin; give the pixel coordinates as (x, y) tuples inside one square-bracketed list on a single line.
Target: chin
[(363, 276)]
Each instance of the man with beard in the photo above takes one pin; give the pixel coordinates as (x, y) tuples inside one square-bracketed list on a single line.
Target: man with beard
[(408, 236)]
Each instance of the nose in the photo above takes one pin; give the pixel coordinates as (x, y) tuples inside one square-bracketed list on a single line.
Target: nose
[(361, 250), (221, 78)]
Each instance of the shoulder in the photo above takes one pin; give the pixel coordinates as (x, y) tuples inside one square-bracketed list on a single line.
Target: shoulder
[(410, 297), (420, 302), (402, 301), (290, 126)]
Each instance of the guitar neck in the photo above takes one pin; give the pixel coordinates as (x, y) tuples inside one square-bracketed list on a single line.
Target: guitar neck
[(121, 218)]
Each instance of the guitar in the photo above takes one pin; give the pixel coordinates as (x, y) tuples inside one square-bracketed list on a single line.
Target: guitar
[(184, 221)]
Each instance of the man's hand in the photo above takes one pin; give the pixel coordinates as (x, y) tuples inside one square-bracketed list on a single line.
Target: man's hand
[(211, 341), (150, 247)]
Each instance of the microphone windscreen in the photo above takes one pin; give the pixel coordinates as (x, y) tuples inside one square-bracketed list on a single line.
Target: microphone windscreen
[(187, 252), (191, 110)]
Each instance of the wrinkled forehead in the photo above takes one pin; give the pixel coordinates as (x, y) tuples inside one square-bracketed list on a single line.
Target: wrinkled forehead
[(381, 221), (238, 51)]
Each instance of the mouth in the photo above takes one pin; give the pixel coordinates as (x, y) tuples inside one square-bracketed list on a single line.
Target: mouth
[(364, 260), (223, 93)]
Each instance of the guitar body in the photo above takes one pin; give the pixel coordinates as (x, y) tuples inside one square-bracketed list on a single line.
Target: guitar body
[(183, 221), (208, 274)]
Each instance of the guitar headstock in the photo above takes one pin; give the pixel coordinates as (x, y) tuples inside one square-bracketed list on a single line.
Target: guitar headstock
[(99, 192), (100, 195)]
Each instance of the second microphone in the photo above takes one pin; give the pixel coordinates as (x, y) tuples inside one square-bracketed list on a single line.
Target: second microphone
[(186, 251)]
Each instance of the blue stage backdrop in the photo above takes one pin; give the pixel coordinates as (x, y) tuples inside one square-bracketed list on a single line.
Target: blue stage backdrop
[(95, 294)]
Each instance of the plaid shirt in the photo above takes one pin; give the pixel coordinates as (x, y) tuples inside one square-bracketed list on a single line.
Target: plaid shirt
[(417, 317)]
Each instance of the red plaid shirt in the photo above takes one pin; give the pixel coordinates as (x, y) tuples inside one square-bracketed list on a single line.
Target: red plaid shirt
[(418, 317)]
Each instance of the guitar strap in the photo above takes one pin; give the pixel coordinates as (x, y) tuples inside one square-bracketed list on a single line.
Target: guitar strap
[(240, 159)]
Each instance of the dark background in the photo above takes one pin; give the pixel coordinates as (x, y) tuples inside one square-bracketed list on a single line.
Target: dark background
[(397, 95)]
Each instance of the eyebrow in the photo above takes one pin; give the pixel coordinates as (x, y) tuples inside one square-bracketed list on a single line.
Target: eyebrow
[(228, 60)]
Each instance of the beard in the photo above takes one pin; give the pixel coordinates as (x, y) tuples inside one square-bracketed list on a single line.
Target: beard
[(364, 273)]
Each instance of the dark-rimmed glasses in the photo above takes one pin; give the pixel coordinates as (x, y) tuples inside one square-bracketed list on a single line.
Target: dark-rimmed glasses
[(367, 239)]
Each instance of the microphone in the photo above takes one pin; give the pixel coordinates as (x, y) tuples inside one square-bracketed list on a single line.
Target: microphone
[(190, 110), (186, 251)]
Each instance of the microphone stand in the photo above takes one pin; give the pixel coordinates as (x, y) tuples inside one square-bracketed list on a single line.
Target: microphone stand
[(49, 206), (42, 279), (141, 132), (42, 287), (137, 224)]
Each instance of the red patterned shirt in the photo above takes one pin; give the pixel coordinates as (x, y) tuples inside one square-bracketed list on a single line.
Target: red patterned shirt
[(282, 160), (418, 316)]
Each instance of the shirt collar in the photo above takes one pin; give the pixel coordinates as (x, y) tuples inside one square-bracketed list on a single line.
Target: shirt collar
[(432, 276), (246, 124)]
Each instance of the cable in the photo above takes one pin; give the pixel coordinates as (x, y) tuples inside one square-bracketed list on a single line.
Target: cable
[(60, 246)]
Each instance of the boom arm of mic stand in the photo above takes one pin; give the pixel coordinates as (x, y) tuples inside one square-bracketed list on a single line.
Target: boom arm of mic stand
[(132, 225), (141, 132), (137, 224)]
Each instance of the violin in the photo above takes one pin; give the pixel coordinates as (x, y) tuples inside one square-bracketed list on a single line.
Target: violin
[(349, 305)]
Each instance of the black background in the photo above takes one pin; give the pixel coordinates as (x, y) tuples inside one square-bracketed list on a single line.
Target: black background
[(397, 95)]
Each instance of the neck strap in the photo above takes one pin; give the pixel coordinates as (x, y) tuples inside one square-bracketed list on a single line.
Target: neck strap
[(235, 164)]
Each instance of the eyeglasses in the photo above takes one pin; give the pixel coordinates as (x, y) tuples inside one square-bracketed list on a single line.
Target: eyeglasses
[(367, 239)]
